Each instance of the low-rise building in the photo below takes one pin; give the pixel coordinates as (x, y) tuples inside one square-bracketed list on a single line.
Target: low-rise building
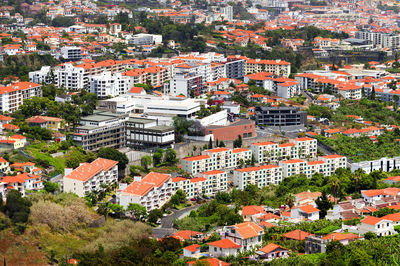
[(90, 177), (379, 226), (272, 251), (152, 192), (52, 123), (307, 212)]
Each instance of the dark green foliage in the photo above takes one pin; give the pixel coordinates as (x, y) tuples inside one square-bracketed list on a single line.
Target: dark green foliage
[(51, 187), (17, 208), (362, 148), (62, 21), (113, 154)]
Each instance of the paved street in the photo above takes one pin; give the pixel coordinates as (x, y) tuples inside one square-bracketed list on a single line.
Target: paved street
[(167, 222)]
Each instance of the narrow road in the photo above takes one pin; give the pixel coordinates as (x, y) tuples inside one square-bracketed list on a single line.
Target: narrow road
[(167, 221)]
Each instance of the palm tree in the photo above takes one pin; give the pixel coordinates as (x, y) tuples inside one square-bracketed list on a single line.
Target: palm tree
[(358, 176), (334, 184), (290, 200)]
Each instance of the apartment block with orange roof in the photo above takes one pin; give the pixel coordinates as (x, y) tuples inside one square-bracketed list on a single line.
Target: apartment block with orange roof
[(307, 147), (293, 167), (260, 176), (21, 182), (334, 161), (151, 191), (13, 95), (220, 158), (90, 177)]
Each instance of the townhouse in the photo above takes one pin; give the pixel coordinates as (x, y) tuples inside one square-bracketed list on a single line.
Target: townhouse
[(152, 191), (89, 177), (260, 176), (13, 95)]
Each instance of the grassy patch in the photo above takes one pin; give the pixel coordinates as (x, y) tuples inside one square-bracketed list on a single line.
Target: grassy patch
[(35, 150)]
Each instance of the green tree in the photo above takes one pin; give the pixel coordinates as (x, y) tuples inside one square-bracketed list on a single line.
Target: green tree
[(113, 154), (154, 215), (210, 145), (17, 208), (138, 212), (51, 187), (323, 204), (170, 156), (146, 161)]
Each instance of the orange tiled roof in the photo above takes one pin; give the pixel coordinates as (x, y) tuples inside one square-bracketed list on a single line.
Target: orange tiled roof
[(87, 170), (224, 243)]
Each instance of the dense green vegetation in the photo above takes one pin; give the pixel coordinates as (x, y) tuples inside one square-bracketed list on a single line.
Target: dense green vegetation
[(369, 110), (21, 65), (362, 148), (377, 251)]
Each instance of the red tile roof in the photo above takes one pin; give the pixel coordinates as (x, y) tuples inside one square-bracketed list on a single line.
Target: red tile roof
[(296, 235), (192, 248), (87, 170), (251, 210), (371, 220), (271, 247), (224, 243), (186, 234)]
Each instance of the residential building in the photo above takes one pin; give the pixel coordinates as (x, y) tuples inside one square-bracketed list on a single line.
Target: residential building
[(261, 176), (71, 53), (52, 123), (373, 195), (280, 116), (188, 85), (237, 238), (21, 182), (70, 77), (145, 39), (44, 75), (306, 212), (13, 95), (191, 251), (234, 69), (152, 192), (384, 164), (88, 177), (272, 251), (379, 226), (107, 84)]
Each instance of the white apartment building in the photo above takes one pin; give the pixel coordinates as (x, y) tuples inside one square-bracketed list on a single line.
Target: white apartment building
[(277, 67), (13, 95), (307, 147), (89, 177), (152, 192), (326, 165), (228, 12), (261, 176), (384, 164), (188, 85), (241, 154), (287, 89), (145, 39), (70, 77), (41, 76), (71, 52), (293, 167), (350, 92), (266, 152), (334, 162), (107, 84), (206, 183), (220, 158), (197, 164)]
